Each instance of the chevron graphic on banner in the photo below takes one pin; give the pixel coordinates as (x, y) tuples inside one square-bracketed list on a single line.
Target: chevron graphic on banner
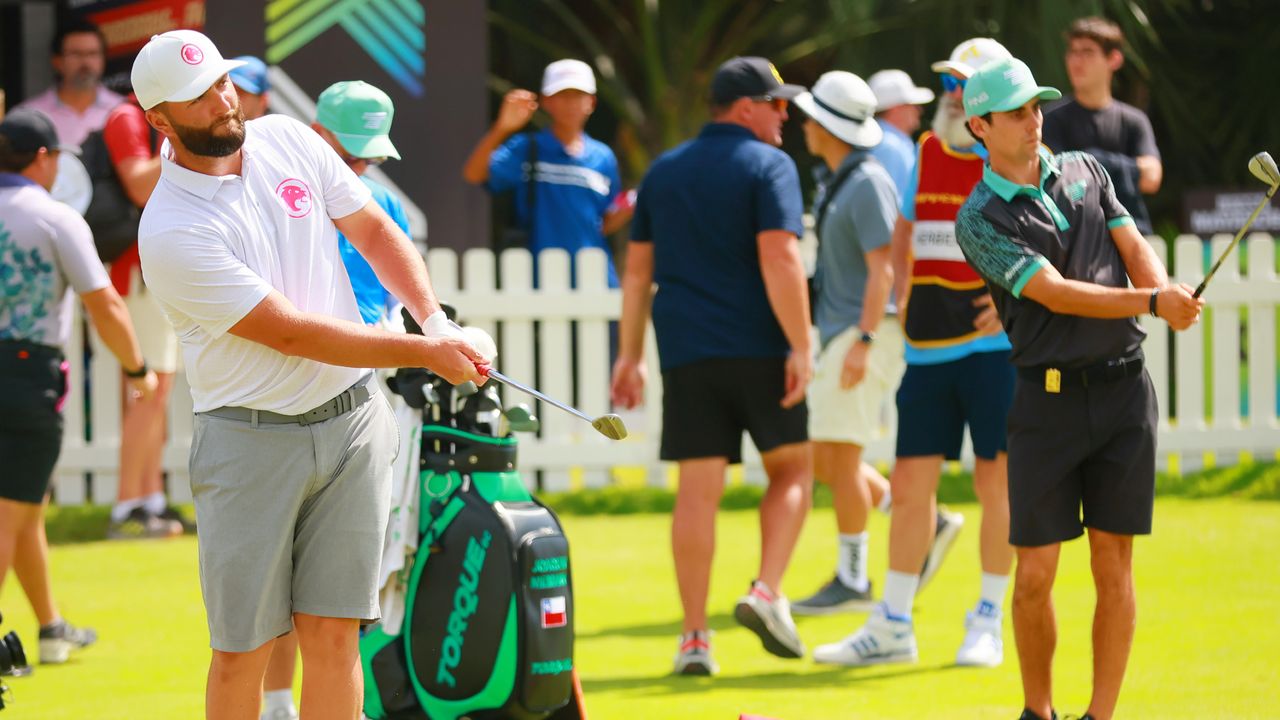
[(391, 31)]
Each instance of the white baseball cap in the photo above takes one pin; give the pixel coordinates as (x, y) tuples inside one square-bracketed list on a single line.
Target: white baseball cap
[(894, 88), (971, 55), (843, 103), (568, 75), (177, 66)]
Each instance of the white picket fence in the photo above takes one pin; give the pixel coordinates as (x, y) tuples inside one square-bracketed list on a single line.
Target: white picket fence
[(569, 453)]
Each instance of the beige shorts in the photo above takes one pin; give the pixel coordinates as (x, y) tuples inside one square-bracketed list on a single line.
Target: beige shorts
[(155, 335), (854, 415)]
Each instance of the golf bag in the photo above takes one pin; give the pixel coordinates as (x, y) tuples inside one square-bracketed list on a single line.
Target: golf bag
[(488, 625)]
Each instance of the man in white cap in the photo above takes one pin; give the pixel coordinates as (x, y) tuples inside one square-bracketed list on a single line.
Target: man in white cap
[(566, 186), (860, 351), (292, 444), (899, 105), (958, 375)]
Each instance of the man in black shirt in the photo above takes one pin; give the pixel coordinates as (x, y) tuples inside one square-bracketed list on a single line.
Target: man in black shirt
[(1057, 251), (1117, 134)]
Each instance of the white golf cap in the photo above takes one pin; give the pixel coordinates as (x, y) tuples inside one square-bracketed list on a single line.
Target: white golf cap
[(971, 55), (894, 88), (568, 75), (843, 103), (177, 66)]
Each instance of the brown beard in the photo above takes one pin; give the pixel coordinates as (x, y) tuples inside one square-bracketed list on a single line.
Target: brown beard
[(951, 127), (202, 141)]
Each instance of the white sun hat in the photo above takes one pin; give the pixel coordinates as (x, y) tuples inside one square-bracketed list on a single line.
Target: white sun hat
[(843, 103)]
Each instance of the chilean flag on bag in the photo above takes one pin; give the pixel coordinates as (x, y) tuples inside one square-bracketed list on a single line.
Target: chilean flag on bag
[(553, 612)]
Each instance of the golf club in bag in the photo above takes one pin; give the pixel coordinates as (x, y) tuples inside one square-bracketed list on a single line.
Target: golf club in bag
[(488, 622)]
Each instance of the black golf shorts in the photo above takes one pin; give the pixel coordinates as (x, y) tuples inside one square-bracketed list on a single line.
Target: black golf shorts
[(33, 383), (1082, 457), (708, 404)]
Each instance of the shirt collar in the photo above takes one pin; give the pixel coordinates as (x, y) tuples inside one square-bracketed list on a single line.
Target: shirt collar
[(1007, 189), (726, 129), (198, 184), (891, 129), (14, 180)]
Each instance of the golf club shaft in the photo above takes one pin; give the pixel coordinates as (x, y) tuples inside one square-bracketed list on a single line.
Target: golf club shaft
[(1256, 211), (494, 374)]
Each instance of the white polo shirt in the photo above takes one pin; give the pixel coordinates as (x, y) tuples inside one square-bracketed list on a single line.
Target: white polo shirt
[(213, 247)]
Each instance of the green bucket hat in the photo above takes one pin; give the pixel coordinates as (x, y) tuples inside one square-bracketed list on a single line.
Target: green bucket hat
[(1002, 86), (360, 115)]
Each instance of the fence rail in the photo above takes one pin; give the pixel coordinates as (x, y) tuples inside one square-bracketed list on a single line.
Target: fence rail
[(1216, 382)]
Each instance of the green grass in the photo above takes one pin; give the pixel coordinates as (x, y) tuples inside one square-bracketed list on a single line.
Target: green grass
[(1205, 645)]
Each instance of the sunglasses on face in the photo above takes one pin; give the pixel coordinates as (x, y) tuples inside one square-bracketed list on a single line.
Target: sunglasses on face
[(371, 162), (779, 104), (951, 83)]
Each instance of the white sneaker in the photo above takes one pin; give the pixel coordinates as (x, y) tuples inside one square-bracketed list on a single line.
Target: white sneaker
[(881, 640), (983, 645), (768, 615), (280, 713), (947, 527)]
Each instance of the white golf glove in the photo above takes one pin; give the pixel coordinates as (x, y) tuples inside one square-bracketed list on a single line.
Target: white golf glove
[(438, 324)]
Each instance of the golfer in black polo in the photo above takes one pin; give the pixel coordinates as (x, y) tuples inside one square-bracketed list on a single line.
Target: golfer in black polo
[(1058, 252)]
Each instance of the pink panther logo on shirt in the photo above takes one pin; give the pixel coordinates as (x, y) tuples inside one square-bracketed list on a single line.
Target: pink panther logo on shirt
[(191, 54), (296, 197)]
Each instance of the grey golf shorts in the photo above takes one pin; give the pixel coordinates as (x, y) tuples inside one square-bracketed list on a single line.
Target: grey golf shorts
[(291, 519)]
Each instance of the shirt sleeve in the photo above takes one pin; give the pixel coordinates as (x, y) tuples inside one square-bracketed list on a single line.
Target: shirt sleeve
[(1115, 213), (127, 134), (1145, 140), (873, 209), (506, 164), (1001, 259), (341, 188), (194, 271), (77, 256), (778, 203)]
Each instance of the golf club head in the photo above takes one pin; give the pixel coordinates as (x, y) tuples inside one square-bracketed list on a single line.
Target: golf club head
[(521, 418), (1263, 167), (610, 426)]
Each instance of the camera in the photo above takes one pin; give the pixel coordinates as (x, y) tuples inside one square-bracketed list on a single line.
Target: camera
[(13, 660)]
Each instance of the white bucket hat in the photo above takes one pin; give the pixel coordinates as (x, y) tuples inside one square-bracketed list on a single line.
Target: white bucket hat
[(894, 88), (177, 66), (844, 105), (568, 75), (971, 55)]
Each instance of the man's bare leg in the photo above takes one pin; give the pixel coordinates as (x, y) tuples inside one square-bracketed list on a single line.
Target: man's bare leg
[(693, 534), (1114, 618), (332, 679), (1034, 626), (234, 687), (783, 508)]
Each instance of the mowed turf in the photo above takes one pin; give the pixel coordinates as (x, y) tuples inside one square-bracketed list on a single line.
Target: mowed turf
[(1206, 644)]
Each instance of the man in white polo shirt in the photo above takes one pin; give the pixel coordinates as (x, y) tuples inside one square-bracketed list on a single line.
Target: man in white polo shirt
[(292, 446)]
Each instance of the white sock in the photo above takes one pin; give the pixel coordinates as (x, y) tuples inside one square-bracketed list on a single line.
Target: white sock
[(900, 592), (154, 503), (121, 510), (276, 699), (852, 567), (992, 599), (886, 502)]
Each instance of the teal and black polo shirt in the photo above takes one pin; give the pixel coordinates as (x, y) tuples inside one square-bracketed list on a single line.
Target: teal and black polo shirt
[(1009, 232)]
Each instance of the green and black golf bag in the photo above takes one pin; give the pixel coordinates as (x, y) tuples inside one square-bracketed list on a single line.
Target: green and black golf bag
[(488, 626)]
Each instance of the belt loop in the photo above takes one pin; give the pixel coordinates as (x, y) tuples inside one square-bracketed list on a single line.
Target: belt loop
[(253, 419)]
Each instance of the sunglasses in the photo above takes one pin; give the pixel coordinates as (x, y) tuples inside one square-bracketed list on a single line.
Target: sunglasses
[(779, 104), (951, 83), (371, 162)]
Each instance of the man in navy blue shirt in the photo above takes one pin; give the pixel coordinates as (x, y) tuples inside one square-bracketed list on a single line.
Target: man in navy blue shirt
[(716, 228), (576, 187)]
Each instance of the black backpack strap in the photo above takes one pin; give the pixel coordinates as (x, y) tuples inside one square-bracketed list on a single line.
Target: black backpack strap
[(833, 187)]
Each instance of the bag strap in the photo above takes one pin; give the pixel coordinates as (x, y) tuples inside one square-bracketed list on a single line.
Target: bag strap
[(833, 187)]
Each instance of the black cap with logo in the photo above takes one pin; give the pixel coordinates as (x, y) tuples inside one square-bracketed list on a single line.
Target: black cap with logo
[(29, 130), (751, 77)]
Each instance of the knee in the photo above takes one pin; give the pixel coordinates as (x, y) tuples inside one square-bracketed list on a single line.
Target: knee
[(326, 637), (1032, 585)]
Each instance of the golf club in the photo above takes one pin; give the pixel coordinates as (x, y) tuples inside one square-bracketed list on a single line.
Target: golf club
[(609, 425), (1264, 168)]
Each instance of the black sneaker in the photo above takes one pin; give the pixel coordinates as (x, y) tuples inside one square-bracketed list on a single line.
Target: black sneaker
[(834, 597), (59, 639), (946, 530), (140, 524), (172, 514), (1028, 715)]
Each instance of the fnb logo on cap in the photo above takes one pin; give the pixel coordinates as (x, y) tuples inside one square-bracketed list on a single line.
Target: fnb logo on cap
[(296, 197), (374, 120), (1018, 75), (553, 612), (191, 54)]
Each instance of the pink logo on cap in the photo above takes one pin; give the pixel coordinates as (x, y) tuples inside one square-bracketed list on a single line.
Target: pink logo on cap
[(296, 197), (191, 54)]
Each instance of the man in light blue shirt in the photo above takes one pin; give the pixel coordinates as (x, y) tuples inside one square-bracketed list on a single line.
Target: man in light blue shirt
[(899, 105)]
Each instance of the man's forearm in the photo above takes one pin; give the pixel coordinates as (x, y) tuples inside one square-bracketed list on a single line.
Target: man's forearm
[(900, 260), (476, 168), (637, 300), (340, 342), (1140, 260), (111, 320), (1085, 299), (875, 296), (788, 292)]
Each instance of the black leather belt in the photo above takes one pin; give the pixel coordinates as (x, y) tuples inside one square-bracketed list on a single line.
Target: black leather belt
[(1055, 379), (346, 401)]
